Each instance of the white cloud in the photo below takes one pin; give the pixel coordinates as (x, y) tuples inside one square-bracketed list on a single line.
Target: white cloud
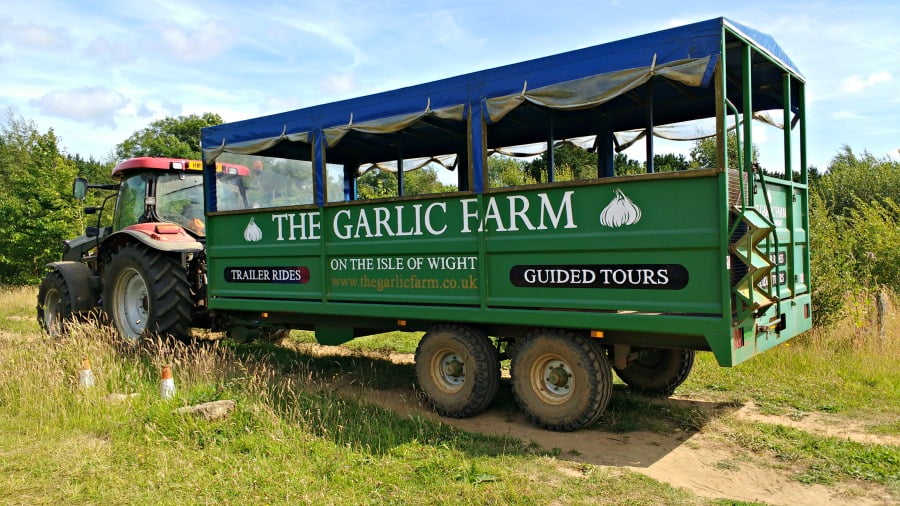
[(274, 104), (199, 43), (326, 30), (337, 84), (96, 105), (447, 30), (34, 36), (857, 84), (847, 115), (153, 109), (103, 50)]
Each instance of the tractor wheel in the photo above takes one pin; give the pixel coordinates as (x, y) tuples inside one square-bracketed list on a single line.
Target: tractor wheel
[(459, 369), (259, 335), (657, 371), (273, 335), (563, 382), (54, 309), (146, 292)]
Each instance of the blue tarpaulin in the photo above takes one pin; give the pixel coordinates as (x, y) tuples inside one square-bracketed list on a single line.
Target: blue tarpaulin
[(464, 105)]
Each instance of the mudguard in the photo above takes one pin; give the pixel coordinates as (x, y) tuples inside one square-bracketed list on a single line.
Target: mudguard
[(163, 237), (82, 284)]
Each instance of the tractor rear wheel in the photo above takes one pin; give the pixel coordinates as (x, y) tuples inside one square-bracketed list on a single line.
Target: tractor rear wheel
[(146, 292)]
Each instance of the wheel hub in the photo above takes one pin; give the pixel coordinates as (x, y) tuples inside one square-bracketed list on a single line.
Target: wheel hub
[(132, 303), (558, 377), (453, 369), (52, 303)]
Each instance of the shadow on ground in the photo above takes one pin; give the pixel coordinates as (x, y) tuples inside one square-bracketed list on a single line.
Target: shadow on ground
[(635, 430)]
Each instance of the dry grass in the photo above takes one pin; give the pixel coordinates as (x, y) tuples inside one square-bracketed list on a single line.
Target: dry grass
[(861, 330), (290, 440)]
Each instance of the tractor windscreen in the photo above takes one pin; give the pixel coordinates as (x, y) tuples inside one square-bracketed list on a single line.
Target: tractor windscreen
[(179, 199)]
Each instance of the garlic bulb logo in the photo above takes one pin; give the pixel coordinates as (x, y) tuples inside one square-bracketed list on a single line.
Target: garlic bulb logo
[(620, 211), (252, 233)]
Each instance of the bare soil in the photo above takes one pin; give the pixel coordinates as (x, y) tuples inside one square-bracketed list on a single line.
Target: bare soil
[(700, 462)]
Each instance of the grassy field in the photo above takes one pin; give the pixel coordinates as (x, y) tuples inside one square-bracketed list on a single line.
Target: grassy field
[(293, 439)]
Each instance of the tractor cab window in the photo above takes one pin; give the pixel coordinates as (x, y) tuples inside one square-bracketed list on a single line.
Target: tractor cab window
[(132, 201), (179, 199)]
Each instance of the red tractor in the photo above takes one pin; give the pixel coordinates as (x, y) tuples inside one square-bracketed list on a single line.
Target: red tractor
[(147, 271)]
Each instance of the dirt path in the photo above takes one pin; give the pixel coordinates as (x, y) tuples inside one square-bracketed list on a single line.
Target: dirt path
[(698, 461)]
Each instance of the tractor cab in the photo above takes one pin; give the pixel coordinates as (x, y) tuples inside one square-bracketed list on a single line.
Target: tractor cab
[(147, 270), (155, 190)]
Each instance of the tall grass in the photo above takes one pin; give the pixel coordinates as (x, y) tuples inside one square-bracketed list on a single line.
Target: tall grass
[(291, 438)]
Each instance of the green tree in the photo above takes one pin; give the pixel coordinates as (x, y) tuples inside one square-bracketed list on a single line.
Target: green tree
[(376, 184), (704, 155), (571, 163), (169, 137), (35, 181), (504, 171), (852, 178), (854, 230), (670, 162), (93, 170)]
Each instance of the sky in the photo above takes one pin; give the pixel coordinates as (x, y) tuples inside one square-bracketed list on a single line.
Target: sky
[(97, 71)]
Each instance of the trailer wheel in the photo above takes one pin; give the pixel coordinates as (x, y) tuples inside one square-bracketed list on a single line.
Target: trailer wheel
[(54, 309), (657, 371), (459, 369), (562, 381), (147, 292), (260, 335)]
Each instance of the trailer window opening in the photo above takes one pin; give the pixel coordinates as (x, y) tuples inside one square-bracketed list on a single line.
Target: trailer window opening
[(272, 182)]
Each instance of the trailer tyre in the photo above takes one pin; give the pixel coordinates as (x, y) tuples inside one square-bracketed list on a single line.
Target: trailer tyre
[(147, 292), (54, 310), (560, 380), (458, 369), (657, 371)]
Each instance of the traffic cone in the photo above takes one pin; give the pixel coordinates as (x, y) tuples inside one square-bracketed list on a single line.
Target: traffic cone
[(167, 384), (85, 375)]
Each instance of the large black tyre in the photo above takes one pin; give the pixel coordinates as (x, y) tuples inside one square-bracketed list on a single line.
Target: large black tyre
[(54, 305), (259, 335), (146, 292), (657, 371), (458, 369), (561, 381)]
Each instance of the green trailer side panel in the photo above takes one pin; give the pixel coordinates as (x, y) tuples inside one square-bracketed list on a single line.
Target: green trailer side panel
[(630, 255), (631, 244)]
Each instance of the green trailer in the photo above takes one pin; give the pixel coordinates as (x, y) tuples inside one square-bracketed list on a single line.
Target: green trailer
[(568, 277)]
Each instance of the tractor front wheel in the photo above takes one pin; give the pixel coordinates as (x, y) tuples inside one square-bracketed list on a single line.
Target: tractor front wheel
[(146, 292), (54, 310)]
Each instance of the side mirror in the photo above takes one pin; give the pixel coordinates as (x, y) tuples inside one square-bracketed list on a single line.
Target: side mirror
[(91, 231), (79, 188)]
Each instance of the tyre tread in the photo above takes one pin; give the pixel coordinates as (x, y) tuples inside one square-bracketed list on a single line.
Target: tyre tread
[(483, 352)]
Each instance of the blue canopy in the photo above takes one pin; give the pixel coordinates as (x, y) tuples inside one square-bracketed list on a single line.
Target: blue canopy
[(602, 83)]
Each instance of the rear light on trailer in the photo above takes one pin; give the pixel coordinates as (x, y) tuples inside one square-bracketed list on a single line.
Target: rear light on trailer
[(401, 323), (806, 311), (737, 337), (177, 166), (597, 334)]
